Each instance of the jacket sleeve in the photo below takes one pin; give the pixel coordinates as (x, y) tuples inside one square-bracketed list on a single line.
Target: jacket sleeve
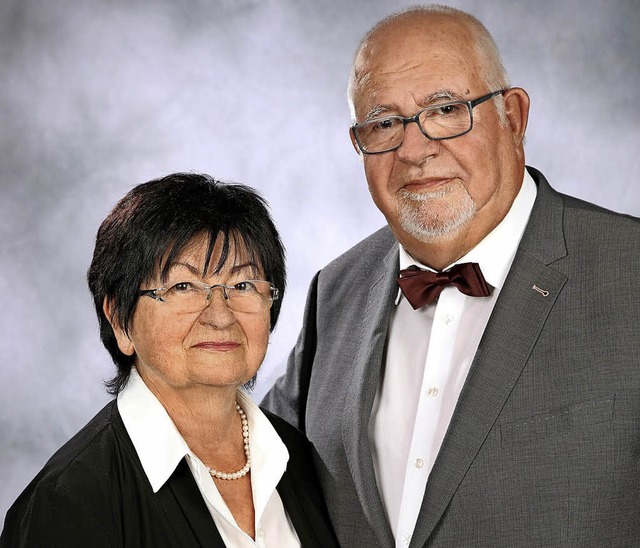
[(288, 396)]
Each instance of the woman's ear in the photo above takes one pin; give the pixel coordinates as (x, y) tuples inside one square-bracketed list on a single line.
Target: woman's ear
[(125, 344)]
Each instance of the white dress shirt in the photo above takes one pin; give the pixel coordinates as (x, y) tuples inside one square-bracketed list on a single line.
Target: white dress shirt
[(160, 448), (428, 355)]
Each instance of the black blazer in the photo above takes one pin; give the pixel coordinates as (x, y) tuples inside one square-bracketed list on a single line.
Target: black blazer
[(94, 492)]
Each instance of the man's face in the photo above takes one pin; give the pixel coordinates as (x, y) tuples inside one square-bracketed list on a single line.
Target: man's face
[(433, 191)]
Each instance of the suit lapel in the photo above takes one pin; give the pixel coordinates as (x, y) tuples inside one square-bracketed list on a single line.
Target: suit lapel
[(296, 509), (304, 514), (525, 301), (186, 510), (362, 390)]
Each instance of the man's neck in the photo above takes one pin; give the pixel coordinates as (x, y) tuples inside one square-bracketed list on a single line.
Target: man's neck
[(445, 251)]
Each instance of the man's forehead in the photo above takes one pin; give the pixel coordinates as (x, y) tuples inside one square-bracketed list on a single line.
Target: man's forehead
[(411, 49), (415, 39), (422, 78)]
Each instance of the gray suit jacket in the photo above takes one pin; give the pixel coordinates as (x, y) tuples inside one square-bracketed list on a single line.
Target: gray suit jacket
[(544, 446)]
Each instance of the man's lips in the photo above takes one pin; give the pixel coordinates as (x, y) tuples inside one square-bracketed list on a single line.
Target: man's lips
[(220, 346), (426, 183)]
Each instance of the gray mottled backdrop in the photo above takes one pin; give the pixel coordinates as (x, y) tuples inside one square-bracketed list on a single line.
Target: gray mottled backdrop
[(97, 96)]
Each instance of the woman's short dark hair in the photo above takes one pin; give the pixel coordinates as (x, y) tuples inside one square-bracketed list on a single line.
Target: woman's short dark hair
[(153, 223)]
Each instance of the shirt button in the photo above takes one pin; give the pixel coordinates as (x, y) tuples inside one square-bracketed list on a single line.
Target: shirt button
[(406, 539), (447, 318), (419, 463), (433, 391)]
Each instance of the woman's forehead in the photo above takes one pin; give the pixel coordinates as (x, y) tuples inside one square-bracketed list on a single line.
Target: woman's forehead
[(195, 256)]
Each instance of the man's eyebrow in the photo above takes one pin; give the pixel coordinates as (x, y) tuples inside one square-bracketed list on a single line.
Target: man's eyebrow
[(440, 96), (377, 110)]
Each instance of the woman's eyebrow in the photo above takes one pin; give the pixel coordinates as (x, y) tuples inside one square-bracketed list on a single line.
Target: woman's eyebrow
[(196, 272), (188, 266), (249, 264)]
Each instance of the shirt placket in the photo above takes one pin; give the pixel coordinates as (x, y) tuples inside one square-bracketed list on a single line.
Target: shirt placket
[(426, 439)]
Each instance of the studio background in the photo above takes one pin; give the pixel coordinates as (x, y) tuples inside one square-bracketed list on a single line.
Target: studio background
[(98, 96)]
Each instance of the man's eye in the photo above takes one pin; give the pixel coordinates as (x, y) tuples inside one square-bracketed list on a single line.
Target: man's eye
[(448, 110), (385, 124)]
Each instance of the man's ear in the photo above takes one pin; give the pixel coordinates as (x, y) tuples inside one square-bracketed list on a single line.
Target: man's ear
[(125, 344), (516, 107), (354, 143)]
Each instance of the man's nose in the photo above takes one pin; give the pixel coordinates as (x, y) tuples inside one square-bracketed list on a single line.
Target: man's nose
[(416, 147)]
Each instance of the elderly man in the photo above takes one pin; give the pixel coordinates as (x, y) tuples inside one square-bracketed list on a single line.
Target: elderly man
[(495, 401)]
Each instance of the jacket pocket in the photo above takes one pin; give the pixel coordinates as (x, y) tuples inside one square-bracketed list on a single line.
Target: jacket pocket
[(558, 422)]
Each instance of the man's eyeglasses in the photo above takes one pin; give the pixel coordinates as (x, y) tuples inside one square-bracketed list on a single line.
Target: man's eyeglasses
[(250, 296), (436, 122)]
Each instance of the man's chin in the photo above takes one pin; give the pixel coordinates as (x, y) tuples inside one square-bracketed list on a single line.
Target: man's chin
[(434, 223)]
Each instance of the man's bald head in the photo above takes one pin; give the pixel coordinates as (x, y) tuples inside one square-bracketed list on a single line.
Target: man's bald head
[(429, 21)]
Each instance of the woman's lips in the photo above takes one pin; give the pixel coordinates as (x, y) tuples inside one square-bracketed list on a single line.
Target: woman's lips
[(220, 346)]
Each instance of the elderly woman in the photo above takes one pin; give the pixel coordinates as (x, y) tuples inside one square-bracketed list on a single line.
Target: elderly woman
[(187, 279)]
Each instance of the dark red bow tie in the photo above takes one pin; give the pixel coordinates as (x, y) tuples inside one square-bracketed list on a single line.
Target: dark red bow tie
[(422, 287)]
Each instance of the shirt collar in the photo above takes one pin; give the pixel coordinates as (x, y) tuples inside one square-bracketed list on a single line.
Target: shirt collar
[(161, 447), (159, 444), (269, 455), (496, 251)]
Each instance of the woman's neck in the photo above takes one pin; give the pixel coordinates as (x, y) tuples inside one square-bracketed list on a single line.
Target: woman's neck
[(205, 416)]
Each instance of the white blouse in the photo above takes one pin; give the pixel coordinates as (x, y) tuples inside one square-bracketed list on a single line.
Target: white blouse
[(161, 447)]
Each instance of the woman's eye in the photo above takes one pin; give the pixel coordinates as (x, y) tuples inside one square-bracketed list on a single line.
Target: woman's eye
[(244, 287), (183, 287)]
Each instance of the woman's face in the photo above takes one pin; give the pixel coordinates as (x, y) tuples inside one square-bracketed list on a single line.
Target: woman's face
[(215, 346)]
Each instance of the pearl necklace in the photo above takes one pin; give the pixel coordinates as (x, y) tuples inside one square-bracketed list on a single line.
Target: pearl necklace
[(245, 469)]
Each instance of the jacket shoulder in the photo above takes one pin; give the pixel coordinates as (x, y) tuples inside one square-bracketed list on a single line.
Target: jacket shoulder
[(85, 451), (370, 250), (580, 210), (75, 483), (595, 233)]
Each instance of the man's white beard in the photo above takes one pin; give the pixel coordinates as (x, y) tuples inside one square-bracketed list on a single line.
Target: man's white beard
[(427, 222)]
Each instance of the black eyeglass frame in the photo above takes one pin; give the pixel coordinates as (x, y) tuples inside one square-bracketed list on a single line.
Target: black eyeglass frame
[(416, 118)]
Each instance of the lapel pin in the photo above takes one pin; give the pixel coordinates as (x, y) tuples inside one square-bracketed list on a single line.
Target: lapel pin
[(542, 292)]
